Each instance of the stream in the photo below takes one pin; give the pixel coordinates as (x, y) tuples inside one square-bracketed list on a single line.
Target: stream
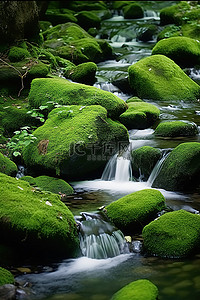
[(98, 279)]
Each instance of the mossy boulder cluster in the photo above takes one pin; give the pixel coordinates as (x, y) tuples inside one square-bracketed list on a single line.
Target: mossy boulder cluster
[(176, 129), (133, 11), (68, 93), (144, 160), (173, 235), (35, 222), (183, 51), (74, 153), (158, 78), (132, 212), (181, 169), (142, 289), (51, 184), (6, 277), (72, 42), (139, 115)]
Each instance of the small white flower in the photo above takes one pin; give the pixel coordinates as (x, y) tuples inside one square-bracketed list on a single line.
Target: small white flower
[(48, 203)]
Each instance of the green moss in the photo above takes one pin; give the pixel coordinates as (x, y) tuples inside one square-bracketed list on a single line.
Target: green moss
[(48, 58), (144, 160), (70, 53), (54, 185), (34, 221), (191, 30), (64, 92), (71, 141), (90, 48), (83, 73), (87, 5), (175, 234), (38, 70), (64, 63), (139, 115), (118, 5), (133, 11), (6, 277), (57, 16), (181, 169), (7, 166), (169, 31), (17, 54), (87, 19), (182, 50), (157, 77), (142, 289), (176, 128), (135, 210), (44, 25), (174, 14), (29, 179), (134, 99)]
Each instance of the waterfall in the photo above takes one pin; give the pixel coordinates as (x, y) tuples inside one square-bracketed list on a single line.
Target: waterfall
[(118, 168), (157, 168), (20, 172), (98, 238)]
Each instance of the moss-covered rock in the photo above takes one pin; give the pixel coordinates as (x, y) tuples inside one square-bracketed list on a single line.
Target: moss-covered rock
[(73, 141), (35, 222), (174, 14), (146, 32), (6, 277), (64, 63), (59, 16), (45, 25), (144, 160), (87, 19), (87, 5), (182, 50), (68, 93), (133, 11), (83, 73), (142, 289), (174, 234), (51, 184), (134, 99), (135, 210), (17, 54), (181, 169), (7, 166), (157, 77), (139, 115), (169, 31), (176, 128), (72, 42)]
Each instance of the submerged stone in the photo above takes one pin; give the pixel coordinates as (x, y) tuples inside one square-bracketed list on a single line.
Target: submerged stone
[(142, 289), (65, 92), (174, 235), (33, 222), (158, 78), (176, 129), (75, 141), (181, 169), (135, 210), (182, 50)]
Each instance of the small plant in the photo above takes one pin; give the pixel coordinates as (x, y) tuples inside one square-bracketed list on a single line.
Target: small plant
[(40, 113), (21, 139)]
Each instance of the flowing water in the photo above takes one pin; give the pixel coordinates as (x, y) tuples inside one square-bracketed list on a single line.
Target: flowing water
[(108, 261)]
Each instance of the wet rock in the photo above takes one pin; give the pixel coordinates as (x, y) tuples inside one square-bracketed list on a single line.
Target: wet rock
[(8, 292), (176, 128)]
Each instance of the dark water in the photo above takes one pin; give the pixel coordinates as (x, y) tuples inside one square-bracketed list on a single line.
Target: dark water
[(92, 279)]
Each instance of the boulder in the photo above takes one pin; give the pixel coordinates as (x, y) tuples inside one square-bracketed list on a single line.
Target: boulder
[(176, 129), (83, 73), (184, 51), (75, 142), (133, 11), (142, 289), (173, 235), (174, 14), (51, 184), (35, 223), (144, 160), (7, 166), (65, 92), (17, 54), (158, 78), (58, 16), (181, 169), (6, 277), (87, 19), (132, 212), (139, 115)]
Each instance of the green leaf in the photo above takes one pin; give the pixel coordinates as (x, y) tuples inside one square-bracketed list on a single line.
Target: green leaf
[(16, 153), (42, 120), (17, 132), (43, 107)]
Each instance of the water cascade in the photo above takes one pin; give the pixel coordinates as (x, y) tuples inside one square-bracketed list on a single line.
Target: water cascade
[(156, 170), (98, 238)]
